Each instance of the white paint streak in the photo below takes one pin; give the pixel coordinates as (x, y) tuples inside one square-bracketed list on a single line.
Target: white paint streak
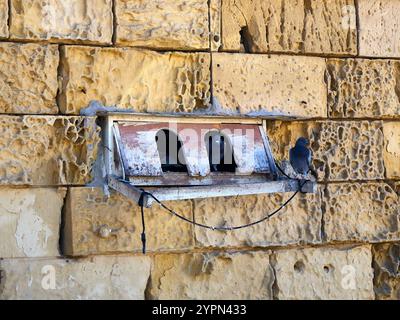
[(32, 233)]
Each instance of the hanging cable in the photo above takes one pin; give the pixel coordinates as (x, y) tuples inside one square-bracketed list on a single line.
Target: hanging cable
[(219, 228), (143, 235)]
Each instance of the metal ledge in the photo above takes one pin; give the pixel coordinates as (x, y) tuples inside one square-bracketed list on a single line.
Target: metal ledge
[(199, 192)]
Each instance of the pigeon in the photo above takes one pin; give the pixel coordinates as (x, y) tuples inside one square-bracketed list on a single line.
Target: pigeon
[(300, 156)]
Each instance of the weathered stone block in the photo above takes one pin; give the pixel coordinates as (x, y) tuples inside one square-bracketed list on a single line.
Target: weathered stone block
[(134, 79), (379, 28), (300, 26), (362, 212), (386, 262), (28, 77), (363, 88), (298, 223), (47, 150), (211, 276), (269, 85), (342, 150), (62, 21), (54, 279), (96, 224), (3, 18), (163, 24), (30, 222), (324, 273), (391, 150), (215, 24)]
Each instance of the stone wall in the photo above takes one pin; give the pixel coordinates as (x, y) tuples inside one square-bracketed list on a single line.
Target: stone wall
[(334, 65)]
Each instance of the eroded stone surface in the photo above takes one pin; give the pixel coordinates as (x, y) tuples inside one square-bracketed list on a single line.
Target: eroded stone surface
[(134, 79), (367, 212), (54, 279), (3, 18), (30, 222), (28, 77), (324, 273), (211, 276), (300, 26), (342, 150), (215, 24), (62, 21), (386, 265), (262, 84), (96, 224), (47, 150), (391, 150), (379, 28), (363, 88), (163, 24), (298, 223)]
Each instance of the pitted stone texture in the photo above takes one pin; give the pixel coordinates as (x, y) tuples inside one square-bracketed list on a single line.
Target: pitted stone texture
[(28, 77), (324, 273), (391, 151), (386, 265), (96, 224), (134, 79), (3, 18), (58, 279), (298, 223), (30, 222), (269, 85), (215, 24), (163, 24), (363, 88), (62, 21), (47, 150), (211, 276), (299, 26), (367, 212), (342, 150), (379, 28)]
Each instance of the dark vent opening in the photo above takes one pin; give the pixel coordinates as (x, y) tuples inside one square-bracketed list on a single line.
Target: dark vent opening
[(220, 153), (170, 150)]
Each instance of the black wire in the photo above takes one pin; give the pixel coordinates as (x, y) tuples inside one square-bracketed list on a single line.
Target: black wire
[(143, 235), (223, 228)]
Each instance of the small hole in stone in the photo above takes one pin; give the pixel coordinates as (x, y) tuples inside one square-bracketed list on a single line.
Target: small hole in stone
[(299, 266), (327, 269), (218, 65), (216, 38)]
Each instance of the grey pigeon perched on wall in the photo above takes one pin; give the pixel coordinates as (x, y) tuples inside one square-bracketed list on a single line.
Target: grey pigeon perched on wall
[(300, 156)]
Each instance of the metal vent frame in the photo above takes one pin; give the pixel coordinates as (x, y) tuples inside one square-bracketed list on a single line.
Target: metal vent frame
[(189, 187)]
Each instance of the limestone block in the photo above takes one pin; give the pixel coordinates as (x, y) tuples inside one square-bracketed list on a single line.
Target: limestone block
[(215, 24), (269, 85), (211, 276), (111, 278), (89, 21), (342, 150), (299, 26), (363, 88), (30, 222), (163, 24), (28, 77), (134, 79), (362, 212), (386, 264), (96, 224), (298, 223), (3, 18), (379, 24), (324, 273), (47, 150), (391, 150)]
